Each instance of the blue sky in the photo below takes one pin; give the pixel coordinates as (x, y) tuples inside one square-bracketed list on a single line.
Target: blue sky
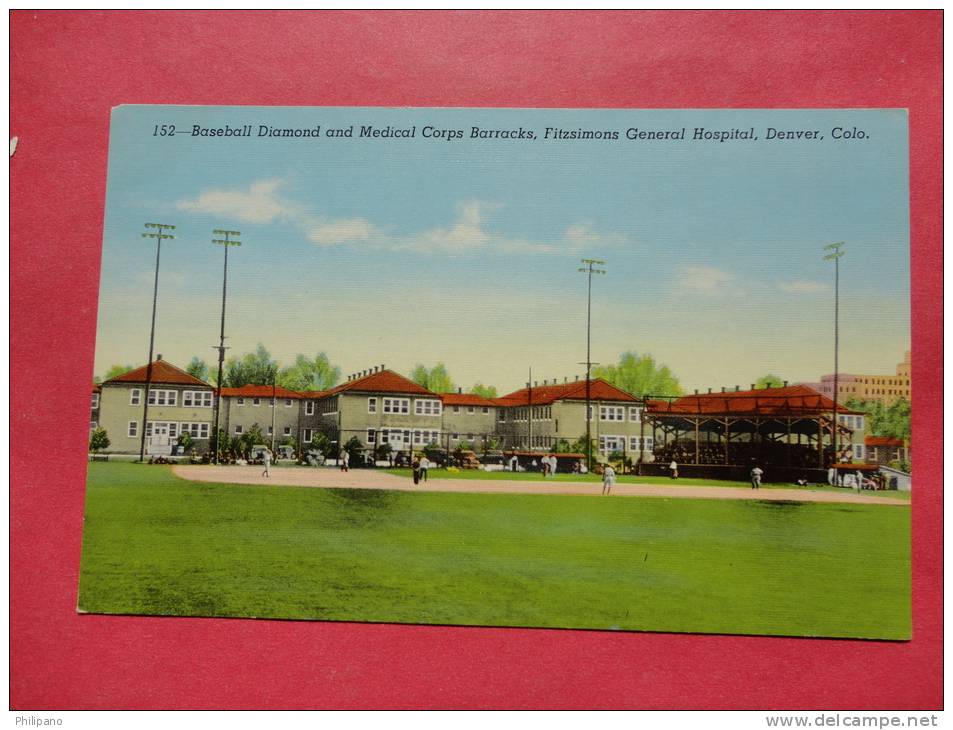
[(466, 251)]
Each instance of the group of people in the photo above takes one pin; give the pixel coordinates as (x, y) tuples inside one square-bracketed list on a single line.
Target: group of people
[(420, 467)]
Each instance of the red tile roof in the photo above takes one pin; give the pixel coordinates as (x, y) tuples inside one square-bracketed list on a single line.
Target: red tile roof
[(465, 399), (882, 441), (793, 400), (543, 395), (163, 373), (313, 394), (260, 391), (384, 381)]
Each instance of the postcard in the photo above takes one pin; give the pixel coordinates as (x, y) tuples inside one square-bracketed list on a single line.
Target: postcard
[(617, 369)]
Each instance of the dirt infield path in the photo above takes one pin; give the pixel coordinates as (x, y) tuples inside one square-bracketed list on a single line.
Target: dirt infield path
[(364, 479)]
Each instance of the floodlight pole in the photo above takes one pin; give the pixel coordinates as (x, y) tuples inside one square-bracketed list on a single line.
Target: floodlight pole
[(158, 235), (589, 270), (225, 243), (835, 255)]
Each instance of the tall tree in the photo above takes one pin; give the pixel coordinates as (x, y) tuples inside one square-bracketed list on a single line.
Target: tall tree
[(116, 370), (639, 375), (892, 421), (254, 368), (197, 368), (310, 374), (484, 391), (769, 381), (436, 379)]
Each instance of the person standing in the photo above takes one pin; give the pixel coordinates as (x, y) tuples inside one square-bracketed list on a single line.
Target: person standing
[(673, 467), (415, 467), (608, 479), (756, 477), (345, 460), (514, 462), (266, 459), (424, 466)]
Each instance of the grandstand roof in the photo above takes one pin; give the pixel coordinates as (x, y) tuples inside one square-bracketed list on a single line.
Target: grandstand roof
[(792, 400)]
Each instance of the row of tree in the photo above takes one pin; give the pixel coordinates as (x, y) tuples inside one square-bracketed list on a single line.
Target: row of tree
[(634, 373)]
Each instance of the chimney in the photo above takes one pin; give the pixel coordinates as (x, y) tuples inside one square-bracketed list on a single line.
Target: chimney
[(696, 391), (752, 386), (158, 357), (737, 388), (723, 389), (709, 390), (577, 378), (535, 383), (382, 366), (459, 391), (565, 380), (785, 383)]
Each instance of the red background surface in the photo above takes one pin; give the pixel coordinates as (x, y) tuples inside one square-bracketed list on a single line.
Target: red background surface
[(69, 69)]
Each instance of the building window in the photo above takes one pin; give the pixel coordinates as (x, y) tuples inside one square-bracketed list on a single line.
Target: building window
[(287, 431), (162, 397), (135, 397), (256, 401), (197, 399), (635, 414), (501, 415), (306, 435), (95, 400), (241, 401), (196, 430), (469, 409), (309, 408), (590, 414), (486, 410), (456, 409), (371, 436), (238, 429), (133, 429), (424, 407), (271, 430), (648, 443), (611, 413), (372, 405), (397, 405)]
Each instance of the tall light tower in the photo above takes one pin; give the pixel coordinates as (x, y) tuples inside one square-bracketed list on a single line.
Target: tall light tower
[(225, 243), (589, 270), (158, 235), (835, 255)]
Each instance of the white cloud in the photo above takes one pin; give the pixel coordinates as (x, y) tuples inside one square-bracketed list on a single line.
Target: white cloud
[(346, 230), (704, 278), (802, 287), (470, 232), (259, 204)]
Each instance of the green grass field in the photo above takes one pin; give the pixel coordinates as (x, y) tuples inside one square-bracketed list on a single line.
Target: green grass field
[(156, 544)]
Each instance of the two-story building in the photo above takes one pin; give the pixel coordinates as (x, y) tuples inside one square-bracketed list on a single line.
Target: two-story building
[(273, 410), (468, 419), (178, 403), (377, 406), (540, 416)]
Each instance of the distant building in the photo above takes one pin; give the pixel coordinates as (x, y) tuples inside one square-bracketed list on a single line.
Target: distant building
[(885, 389), (178, 403), (540, 416), (273, 409), (883, 450)]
